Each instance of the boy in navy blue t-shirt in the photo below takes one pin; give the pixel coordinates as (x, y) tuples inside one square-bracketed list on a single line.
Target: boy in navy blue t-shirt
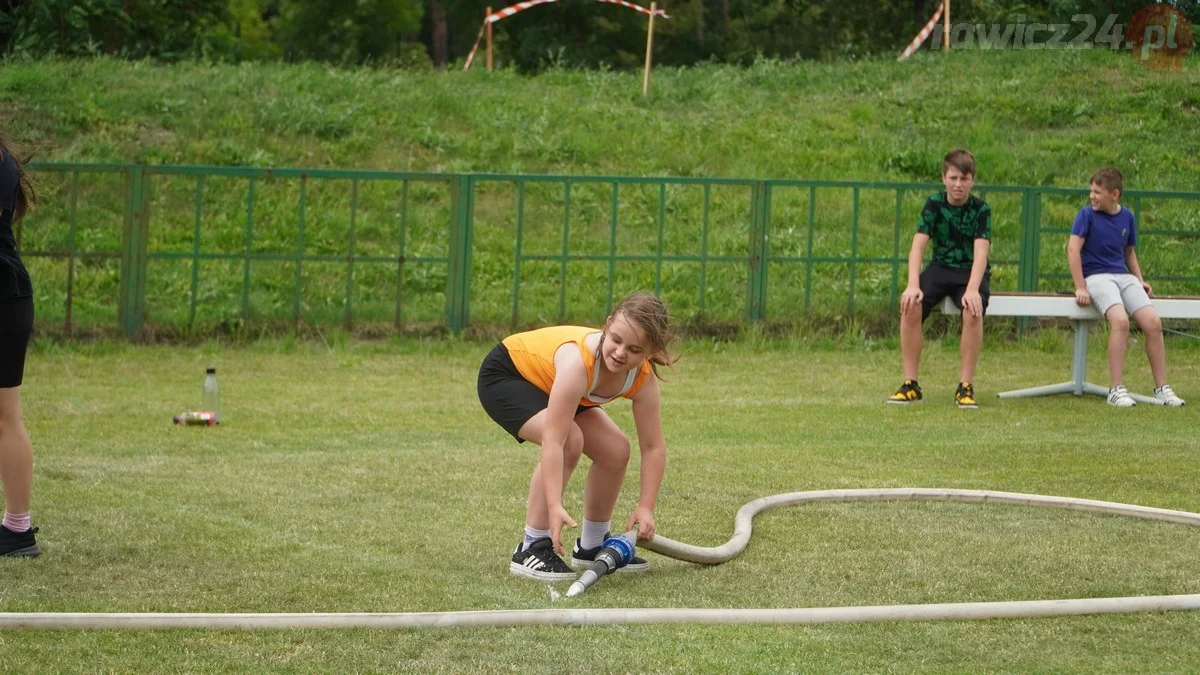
[(1106, 273)]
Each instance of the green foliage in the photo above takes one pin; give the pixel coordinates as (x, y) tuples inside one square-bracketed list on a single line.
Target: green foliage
[(571, 32), (743, 31), (246, 36), (162, 29), (344, 32), (223, 30)]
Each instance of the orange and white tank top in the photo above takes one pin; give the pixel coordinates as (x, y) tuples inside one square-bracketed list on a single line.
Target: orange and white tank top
[(532, 353)]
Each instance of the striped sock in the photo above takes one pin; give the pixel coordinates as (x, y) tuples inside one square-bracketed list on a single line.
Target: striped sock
[(16, 522)]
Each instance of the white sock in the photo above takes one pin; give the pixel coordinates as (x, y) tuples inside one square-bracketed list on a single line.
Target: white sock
[(593, 533), (532, 534)]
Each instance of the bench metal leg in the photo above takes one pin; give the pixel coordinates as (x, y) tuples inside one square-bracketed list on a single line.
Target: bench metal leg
[(1078, 384), (1150, 400), (1061, 388)]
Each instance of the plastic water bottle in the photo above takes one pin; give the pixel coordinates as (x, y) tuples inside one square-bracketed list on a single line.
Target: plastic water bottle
[(212, 400), (196, 418)]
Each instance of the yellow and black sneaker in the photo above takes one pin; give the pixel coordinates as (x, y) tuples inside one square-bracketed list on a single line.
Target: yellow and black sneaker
[(964, 396), (909, 392)]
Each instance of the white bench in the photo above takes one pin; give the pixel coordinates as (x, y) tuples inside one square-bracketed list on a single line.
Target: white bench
[(1063, 306)]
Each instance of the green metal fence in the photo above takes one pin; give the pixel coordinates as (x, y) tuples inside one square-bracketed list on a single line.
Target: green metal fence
[(192, 247)]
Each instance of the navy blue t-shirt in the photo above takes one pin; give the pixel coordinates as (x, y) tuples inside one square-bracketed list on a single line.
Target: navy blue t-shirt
[(1105, 236), (14, 279)]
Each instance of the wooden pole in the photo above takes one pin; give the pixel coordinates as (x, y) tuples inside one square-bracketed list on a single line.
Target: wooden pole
[(945, 27), (649, 49), (489, 38)]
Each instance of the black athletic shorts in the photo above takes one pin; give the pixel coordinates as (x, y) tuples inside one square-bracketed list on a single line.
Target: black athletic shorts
[(16, 323), (938, 281), (508, 398)]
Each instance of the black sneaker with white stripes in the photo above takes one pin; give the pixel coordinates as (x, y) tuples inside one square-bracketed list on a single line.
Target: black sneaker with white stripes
[(540, 562), (584, 557)]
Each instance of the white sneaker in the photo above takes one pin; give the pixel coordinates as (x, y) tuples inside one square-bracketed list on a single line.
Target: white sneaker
[(1168, 397), (1119, 396)]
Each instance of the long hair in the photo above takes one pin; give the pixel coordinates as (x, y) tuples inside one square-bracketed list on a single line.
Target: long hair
[(26, 194), (650, 314)]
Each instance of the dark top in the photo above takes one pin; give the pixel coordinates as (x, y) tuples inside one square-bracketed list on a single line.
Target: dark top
[(14, 278), (954, 229)]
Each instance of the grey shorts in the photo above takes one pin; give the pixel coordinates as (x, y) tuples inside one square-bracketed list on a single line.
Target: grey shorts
[(1108, 290)]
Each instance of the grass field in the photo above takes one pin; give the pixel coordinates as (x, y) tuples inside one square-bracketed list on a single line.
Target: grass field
[(363, 477)]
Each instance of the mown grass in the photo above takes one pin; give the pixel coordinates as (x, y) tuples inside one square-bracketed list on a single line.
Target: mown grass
[(362, 477), (1044, 118)]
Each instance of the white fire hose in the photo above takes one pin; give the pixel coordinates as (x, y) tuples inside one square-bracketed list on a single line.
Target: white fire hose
[(674, 549)]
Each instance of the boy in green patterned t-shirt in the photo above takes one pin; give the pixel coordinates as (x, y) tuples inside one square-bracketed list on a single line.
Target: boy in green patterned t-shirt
[(960, 226)]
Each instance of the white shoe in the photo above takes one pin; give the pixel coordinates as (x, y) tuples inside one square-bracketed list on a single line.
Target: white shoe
[(1119, 396), (1168, 397)]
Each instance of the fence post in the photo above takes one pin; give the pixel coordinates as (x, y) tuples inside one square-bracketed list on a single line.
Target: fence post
[(131, 303), (458, 264), (1031, 225), (757, 273)]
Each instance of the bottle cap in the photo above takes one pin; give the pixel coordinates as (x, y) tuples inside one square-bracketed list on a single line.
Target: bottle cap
[(211, 371)]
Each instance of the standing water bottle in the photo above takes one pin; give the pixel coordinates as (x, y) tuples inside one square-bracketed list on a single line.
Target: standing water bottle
[(212, 400)]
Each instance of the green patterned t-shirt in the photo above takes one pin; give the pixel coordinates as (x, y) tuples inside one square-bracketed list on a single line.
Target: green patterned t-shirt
[(954, 229)]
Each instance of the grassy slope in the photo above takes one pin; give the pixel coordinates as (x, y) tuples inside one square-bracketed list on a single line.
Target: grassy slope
[(1031, 118)]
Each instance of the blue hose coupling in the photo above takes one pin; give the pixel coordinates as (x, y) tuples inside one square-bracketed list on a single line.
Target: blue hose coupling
[(615, 553), (623, 546)]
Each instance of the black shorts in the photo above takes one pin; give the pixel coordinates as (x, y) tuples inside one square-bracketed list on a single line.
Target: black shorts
[(508, 398), (939, 281), (16, 324)]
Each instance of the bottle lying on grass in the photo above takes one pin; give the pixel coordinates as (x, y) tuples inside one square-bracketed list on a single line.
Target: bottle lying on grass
[(202, 418)]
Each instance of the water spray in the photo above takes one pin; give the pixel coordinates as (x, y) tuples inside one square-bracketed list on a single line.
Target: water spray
[(616, 553)]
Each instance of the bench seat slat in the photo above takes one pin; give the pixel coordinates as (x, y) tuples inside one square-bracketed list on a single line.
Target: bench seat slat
[(1063, 306)]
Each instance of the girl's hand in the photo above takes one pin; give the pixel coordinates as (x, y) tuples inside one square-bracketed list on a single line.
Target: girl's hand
[(558, 518), (644, 518)]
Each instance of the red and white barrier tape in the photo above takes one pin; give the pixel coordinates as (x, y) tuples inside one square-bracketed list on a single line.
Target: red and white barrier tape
[(916, 43), (513, 9), (643, 10)]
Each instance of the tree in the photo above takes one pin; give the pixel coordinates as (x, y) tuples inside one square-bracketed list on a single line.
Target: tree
[(439, 33), (347, 32), (165, 29), (247, 34)]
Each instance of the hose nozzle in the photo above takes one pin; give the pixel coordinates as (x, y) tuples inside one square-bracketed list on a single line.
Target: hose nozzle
[(616, 553)]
